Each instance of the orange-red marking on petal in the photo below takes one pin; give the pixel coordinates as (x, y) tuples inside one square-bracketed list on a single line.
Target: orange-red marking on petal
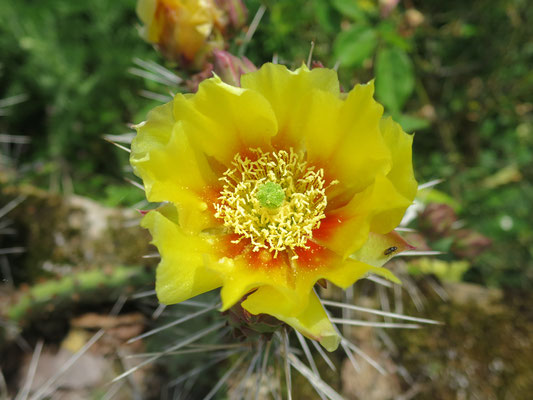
[(328, 226), (255, 259), (314, 257)]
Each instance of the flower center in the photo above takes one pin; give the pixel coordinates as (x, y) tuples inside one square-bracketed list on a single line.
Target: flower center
[(275, 200), (270, 195)]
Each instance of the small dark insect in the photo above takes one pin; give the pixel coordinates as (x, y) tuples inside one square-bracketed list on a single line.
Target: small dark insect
[(390, 250)]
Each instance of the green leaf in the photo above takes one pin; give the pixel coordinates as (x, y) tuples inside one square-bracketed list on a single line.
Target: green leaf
[(389, 33), (394, 78), (354, 46), (432, 195), (323, 12), (349, 8), (410, 123)]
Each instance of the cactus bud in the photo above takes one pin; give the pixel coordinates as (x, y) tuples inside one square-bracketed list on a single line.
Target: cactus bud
[(230, 68)]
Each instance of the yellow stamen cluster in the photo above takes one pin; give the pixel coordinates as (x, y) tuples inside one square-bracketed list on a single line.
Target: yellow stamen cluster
[(243, 207)]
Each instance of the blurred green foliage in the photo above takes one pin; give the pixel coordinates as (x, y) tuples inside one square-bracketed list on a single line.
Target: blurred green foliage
[(473, 65), (70, 59), (458, 73)]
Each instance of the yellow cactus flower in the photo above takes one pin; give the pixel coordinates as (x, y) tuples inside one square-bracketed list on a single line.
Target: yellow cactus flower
[(271, 187), (183, 30)]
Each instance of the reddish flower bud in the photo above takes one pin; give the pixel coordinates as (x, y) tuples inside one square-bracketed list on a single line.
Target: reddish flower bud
[(437, 219), (469, 244), (230, 68)]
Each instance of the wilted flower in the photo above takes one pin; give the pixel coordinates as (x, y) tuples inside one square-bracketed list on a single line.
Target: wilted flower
[(271, 187), (236, 11), (183, 30)]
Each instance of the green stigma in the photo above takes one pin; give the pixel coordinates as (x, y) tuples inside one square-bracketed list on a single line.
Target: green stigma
[(270, 195)]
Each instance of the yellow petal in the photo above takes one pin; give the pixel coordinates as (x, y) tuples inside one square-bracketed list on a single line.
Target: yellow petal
[(400, 145), (312, 321), (151, 30), (240, 278), (241, 275), (361, 152), (341, 136), (173, 170), (182, 272), (162, 154), (145, 10), (378, 208), (379, 249), (389, 207), (243, 270), (322, 130), (224, 120), (290, 93), (320, 263), (347, 272)]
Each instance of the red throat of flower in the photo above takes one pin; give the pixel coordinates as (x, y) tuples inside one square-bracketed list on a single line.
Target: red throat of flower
[(274, 201)]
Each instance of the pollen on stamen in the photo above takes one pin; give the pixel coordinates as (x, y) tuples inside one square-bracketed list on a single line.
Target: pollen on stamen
[(275, 201)]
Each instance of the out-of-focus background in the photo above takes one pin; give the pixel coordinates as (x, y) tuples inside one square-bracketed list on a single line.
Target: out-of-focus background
[(456, 73)]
